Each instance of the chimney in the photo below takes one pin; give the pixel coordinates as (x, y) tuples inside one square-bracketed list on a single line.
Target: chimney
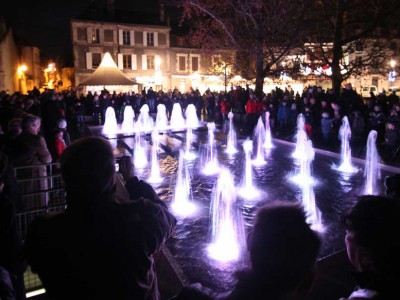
[(161, 10), (111, 7)]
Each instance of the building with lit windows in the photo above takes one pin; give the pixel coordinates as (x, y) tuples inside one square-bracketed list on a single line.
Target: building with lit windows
[(142, 49)]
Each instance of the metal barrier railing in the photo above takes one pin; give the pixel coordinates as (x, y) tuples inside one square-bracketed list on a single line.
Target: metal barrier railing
[(42, 191)]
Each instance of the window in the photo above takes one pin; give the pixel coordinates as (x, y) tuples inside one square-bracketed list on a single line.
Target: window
[(181, 63), (96, 60), (126, 37), (150, 39), (150, 62), (216, 60), (359, 46), (95, 35), (195, 63), (127, 61), (82, 34), (108, 35)]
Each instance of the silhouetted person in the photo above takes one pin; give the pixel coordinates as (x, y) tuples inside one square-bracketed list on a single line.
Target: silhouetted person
[(12, 262), (373, 247), (283, 252), (102, 246), (392, 186)]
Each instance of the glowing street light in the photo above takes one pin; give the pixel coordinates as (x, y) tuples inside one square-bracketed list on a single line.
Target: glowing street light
[(21, 77), (392, 72)]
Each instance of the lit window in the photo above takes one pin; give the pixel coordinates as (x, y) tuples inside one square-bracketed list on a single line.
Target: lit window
[(95, 35), (150, 39), (126, 37), (127, 61), (216, 60), (150, 62)]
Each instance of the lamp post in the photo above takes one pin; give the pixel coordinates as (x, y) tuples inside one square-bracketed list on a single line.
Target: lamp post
[(392, 73), (21, 77)]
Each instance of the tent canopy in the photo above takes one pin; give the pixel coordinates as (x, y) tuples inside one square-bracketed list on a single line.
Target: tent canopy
[(107, 73)]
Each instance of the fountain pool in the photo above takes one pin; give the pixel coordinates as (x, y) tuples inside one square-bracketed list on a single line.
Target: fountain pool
[(332, 192)]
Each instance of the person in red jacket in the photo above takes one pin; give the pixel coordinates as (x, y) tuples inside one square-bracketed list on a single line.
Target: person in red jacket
[(251, 112), (58, 145)]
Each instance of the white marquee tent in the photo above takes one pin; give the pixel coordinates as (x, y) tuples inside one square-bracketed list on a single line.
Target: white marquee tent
[(108, 76)]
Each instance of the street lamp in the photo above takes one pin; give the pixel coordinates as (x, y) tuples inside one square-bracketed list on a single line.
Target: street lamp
[(392, 72), (21, 76)]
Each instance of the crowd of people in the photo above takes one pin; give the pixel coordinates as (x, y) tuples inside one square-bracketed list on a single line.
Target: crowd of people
[(103, 245)]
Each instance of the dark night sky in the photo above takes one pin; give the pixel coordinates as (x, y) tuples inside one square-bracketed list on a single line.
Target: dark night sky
[(46, 24)]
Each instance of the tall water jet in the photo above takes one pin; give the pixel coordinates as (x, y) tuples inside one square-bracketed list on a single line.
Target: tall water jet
[(231, 137), (304, 176), (372, 170), (345, 152), (177, 121), (140, 151), (161, 118), (211, 166), (248, 190), (182, 203), (313, 213), (268, 137), (301, 137), (128, 124), (259, 139), (192, 120), (189, 154), (110, 127), (155, 176), (228, 238), (144, 122)]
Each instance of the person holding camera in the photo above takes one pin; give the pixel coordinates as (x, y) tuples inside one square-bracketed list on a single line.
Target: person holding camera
[(102, 246)]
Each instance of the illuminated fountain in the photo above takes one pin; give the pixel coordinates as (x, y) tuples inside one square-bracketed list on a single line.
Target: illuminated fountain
[(144, 122), (177, 121), (161, 118), (211, 165), (192, 120), (259, 138), (268, 137), (182, 204), (304, 177), (183, 192), (110, 127), (372, 170), (248, 190), (140, 151), (155, 176), (231, 137), (310, 206), (128, 124), (189, 154), (345, 152), (228, 235), (301, 137)]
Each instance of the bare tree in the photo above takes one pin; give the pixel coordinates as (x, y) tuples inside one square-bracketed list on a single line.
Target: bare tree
[(352, 37), (262, 31)]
